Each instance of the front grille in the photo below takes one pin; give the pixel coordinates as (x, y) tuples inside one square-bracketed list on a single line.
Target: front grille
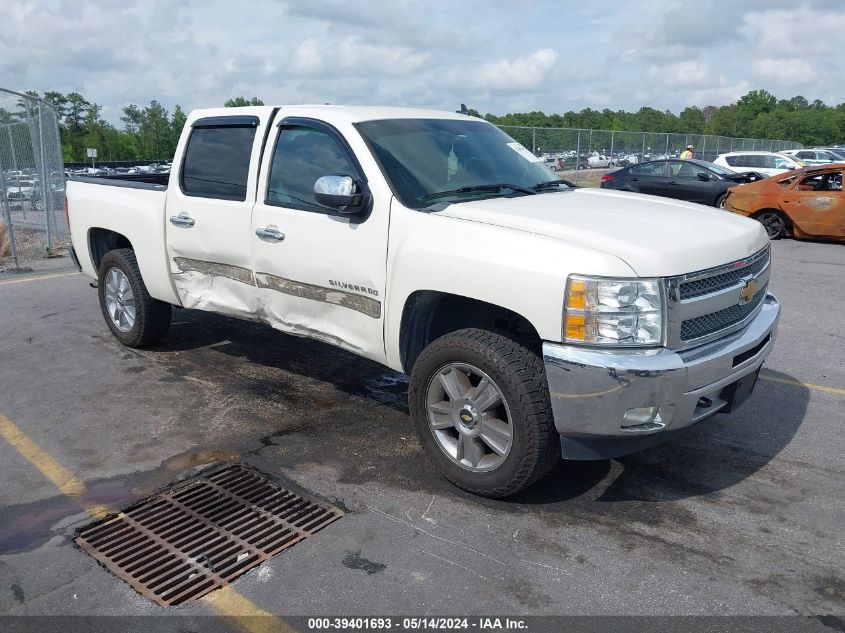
[(708, 285), (715, 321), (177, 546)]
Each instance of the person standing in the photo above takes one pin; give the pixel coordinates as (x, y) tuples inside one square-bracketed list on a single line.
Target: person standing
[(687, 154)]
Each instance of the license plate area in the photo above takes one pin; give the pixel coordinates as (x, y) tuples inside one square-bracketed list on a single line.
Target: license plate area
[(736, 393)]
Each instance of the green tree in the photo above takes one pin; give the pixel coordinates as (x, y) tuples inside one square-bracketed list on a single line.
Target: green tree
[(177, 123), (243, 101), (155, 131), (132, 118)]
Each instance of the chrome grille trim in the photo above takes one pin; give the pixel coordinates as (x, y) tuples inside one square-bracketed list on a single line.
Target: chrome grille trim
[(706, 305), (706, 324), (706, 285)]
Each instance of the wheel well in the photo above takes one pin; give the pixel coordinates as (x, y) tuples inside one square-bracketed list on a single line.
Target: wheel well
[(428, 315), (101, 241), (783, 215)]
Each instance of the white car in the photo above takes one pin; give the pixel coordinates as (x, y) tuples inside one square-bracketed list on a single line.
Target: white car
[(814, 156), (536, 320), (766, 163), (599, 161)]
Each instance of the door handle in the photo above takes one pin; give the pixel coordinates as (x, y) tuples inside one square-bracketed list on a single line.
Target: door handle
[(183, 219), (672, 182), (270, 234)]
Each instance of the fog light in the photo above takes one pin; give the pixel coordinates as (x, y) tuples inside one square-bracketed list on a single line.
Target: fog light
[(642, 419)]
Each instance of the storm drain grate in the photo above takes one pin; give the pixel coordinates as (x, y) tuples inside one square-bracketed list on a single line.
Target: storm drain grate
[(179, 545)]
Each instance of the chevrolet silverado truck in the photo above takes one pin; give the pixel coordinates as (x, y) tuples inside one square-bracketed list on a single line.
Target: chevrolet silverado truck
[(536, 320)]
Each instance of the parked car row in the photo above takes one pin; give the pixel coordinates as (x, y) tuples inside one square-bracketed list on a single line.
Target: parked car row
[(691, 180), (155, 168), (818, 156), (802, 201)]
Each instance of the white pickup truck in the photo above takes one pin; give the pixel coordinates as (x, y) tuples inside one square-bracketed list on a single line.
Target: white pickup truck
[(536, 320)]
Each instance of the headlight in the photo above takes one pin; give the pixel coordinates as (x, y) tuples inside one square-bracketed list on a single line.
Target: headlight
[(621, 312)]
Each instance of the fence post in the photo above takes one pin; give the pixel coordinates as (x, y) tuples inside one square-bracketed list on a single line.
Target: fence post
[(12, 148), (45, 200), (703, 146), (577, 155), (534, 141), (643, 156), (611, 145), (7, 215)]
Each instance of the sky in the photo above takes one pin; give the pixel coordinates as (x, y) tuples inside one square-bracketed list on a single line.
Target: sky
[(496, 56)]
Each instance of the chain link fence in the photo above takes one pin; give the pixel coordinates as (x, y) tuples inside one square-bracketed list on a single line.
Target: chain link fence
[(575, 151), (33, 225)]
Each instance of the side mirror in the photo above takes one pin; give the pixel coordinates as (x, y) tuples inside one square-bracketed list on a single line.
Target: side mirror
[(703, 176), (339, 192)]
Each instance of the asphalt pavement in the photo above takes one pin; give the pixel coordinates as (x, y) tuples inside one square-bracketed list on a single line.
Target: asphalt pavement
[(744, 515)]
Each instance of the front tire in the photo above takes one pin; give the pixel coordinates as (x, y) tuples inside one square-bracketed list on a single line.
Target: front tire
[(720, 201), (480, 405), (775, 223), (134, 317)]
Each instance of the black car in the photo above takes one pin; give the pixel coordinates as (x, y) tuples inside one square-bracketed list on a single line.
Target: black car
[(691, 180)]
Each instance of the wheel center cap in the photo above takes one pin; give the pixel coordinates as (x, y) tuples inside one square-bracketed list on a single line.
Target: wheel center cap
[(468, 416)]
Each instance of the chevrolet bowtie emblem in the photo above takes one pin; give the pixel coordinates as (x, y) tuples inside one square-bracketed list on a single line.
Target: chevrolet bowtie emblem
[(748, 291)]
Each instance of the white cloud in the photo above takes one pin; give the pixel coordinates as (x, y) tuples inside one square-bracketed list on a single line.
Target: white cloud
[(520, 73), (500, 56), (682, 74), (786, 71)]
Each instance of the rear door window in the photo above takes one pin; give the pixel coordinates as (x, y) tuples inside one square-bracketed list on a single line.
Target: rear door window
[(648, 169), (216, 163)]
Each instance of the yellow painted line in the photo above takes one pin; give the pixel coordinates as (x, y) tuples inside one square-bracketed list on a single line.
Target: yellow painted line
[(63, 479), (808, 385), (36, 278), (243, 614)]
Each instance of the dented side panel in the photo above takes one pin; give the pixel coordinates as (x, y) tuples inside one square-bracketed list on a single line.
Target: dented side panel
[(326, 278), (209, 257)]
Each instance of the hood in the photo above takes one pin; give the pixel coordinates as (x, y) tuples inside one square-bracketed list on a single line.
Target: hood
[(654, 236)]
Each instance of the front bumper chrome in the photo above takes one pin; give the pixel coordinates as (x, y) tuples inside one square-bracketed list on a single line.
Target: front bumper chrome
[(592, 389)]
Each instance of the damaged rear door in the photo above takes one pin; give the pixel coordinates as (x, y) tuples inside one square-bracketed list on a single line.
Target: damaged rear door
[(816, 204), (319, 273), (208, 214)]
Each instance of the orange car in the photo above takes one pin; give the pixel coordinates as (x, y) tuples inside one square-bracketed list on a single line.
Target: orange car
[(806, 203)]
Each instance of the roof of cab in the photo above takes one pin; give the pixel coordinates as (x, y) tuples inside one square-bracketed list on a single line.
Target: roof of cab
[(350, 114)]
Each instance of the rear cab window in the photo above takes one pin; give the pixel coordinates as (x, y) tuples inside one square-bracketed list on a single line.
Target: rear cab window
[(217, 157)]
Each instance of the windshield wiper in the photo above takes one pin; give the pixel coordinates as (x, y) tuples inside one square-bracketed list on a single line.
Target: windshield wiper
[(549, 184), (495, 187)]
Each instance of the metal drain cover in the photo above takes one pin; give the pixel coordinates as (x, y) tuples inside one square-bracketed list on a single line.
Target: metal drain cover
[(177, 546)]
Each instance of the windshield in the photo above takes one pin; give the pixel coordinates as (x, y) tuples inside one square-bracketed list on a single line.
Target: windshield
[(427, 160), (722, 171)]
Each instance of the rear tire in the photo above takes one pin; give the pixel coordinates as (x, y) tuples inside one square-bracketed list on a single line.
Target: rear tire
[(493, 439), (134, 317), (774, 221)]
